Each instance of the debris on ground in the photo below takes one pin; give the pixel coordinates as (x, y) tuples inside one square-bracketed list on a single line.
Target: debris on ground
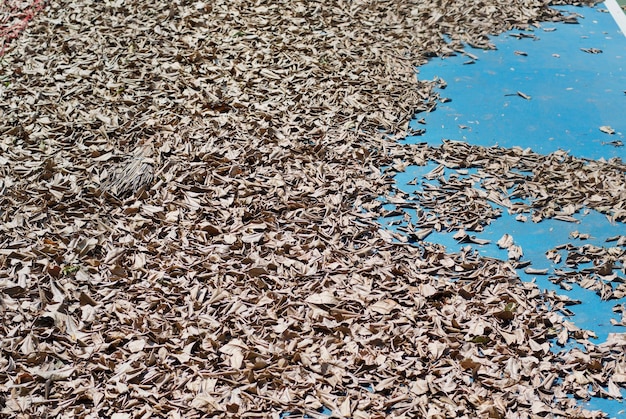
[(188, 220)]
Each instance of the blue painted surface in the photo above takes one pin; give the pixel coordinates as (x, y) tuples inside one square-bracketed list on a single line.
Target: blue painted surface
[(572, 94), (535, 239)]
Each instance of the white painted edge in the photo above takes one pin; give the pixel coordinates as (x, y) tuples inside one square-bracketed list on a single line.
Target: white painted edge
[(618, 14)]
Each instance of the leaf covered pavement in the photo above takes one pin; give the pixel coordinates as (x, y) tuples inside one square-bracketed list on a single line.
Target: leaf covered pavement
[(188, 221)]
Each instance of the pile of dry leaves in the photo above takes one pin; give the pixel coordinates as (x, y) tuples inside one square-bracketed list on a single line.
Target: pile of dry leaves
[(14, 17), (188, 221), (522, 182)]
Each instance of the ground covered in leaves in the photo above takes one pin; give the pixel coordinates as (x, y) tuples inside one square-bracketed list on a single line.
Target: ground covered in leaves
[(188, 221)]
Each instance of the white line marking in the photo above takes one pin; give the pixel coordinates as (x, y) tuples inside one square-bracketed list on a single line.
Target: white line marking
[(617, 13)]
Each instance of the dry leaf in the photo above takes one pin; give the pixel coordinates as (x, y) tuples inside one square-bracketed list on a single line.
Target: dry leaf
[(136, 345), (323, 298), (505, 242), (607, 129), (384, 306)]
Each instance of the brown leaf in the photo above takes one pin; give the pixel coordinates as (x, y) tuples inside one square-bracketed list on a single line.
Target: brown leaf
[(323, 298)]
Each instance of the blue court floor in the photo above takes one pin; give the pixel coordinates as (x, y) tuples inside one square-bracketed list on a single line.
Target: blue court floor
[(556, 87)]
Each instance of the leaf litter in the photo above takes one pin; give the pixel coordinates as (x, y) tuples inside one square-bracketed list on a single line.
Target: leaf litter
[(188, 223)]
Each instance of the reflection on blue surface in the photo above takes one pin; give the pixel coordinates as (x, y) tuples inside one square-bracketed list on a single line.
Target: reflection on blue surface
[(546, 90)]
